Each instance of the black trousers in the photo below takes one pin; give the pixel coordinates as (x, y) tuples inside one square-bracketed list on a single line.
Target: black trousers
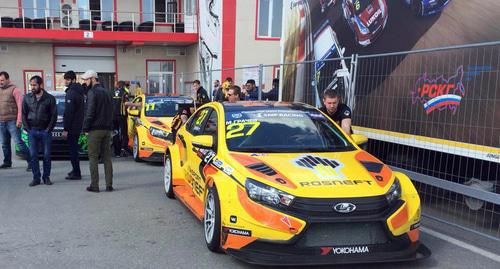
[(74, 154), (120, 139)]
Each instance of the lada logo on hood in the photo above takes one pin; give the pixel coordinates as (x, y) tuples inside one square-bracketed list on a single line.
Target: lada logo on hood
[(344, 207)]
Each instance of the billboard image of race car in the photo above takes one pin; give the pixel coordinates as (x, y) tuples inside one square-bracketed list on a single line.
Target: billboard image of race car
[(427, 7), (149, 125), (60, 146), (366, 18), (282, 184), (330, 69)]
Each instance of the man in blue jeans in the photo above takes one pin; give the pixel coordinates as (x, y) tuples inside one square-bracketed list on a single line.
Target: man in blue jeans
[(39, 118), (10, 120)]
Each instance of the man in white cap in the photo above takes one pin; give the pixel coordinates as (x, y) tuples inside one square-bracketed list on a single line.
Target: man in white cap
[(98, 123)]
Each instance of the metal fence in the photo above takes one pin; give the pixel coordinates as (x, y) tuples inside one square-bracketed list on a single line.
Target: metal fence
[(433, 114)]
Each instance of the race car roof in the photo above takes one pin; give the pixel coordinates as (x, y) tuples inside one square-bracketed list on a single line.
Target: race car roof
[(260, 105), (176, 99)]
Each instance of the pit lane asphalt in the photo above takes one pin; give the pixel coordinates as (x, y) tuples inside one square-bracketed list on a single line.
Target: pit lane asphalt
[(64, 226)]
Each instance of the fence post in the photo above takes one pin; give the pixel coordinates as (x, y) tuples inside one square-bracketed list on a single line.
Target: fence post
[(261, 73), (210, 84), (351, 101), (181, 80)]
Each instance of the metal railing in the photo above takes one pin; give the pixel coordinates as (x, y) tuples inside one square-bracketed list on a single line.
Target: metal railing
[(29, 18)]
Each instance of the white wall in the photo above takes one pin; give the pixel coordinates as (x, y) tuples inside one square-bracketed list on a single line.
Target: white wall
[(26, 56)]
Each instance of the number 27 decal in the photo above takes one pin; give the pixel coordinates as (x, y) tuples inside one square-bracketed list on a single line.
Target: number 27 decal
[(241, 129)]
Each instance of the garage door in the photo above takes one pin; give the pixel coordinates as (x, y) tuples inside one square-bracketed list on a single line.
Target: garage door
[(81, 59)]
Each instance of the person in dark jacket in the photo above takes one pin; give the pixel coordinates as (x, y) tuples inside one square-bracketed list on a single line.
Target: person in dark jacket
[(200, 93), (218, 94), (73, 121), (98, 123), (272, 95), (39, 113), (120, 140), (251, 92)]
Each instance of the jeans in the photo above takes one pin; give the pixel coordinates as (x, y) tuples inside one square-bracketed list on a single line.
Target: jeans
[(98, 145), (8, 130), (74, 154), (37, 136)]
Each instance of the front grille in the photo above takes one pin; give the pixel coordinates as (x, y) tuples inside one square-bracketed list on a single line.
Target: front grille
[(343, 234), (323, 207)]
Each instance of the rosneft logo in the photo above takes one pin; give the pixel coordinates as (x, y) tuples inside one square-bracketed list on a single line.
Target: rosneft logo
[(344, 208), (440, 93), (322, 167)]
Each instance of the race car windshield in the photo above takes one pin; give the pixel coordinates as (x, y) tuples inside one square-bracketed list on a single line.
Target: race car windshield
[(283, 130), (360, 5), (156, 107)]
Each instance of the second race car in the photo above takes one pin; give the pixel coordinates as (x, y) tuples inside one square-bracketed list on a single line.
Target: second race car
[(149, 124), (282, 184)]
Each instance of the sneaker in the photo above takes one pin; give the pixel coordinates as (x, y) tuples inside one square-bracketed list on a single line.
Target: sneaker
[(28, 169), (73, 177), (124, 153), (4, 166), (70, 173), (92, 189), (109, 189), (34, 183), (47, 181)]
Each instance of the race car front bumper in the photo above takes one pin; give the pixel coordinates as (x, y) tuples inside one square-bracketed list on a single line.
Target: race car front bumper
[(265, 253)]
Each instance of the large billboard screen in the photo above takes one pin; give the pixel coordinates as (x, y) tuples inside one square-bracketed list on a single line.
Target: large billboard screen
[(432, 95)]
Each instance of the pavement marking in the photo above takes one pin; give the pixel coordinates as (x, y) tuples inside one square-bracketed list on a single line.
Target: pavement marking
[(462, 244)]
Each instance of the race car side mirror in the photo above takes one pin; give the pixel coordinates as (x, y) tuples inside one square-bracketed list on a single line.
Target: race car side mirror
[(133, 112), (203, 141), (359, 139)]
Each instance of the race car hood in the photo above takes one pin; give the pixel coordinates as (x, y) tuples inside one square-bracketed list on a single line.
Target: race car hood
[(160, 122), (319, 175), (371, 16)]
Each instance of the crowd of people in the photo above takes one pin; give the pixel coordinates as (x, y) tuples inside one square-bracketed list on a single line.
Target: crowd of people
[(247, 92), (102, 115)]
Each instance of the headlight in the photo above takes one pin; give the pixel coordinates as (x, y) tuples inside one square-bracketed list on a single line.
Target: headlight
[(394, 192), (361, 27), (158, 133), (263, 193)]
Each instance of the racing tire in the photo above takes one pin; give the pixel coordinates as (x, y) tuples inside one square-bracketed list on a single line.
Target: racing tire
[(135, 149), (212, 220), (167, 177)]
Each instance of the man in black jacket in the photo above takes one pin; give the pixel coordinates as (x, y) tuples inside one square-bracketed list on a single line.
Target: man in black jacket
[(39, 113), (200, 93), (73, 121), (98, 123), (120, 140)]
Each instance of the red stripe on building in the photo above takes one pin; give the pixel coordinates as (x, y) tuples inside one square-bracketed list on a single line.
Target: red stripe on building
[(228, 37)]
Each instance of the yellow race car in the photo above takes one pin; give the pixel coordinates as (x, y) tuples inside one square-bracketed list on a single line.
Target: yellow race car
[(149, 122), (281, 184)]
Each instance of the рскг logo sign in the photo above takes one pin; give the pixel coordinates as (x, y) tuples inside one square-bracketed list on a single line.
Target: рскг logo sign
[(440, 93)]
